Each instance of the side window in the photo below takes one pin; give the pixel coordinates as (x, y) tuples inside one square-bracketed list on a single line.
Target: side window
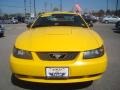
[(114, 17), (37, 22), (42, 21), (79, 22)]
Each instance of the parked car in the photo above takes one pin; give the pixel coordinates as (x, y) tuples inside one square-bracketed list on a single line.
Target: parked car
[(58, 48), (110, 19), (94, 18), (117, 25), (14, 20), (2, 30), (29, 20), (21, 19), (88, 21), (89, 18), (6, 21)]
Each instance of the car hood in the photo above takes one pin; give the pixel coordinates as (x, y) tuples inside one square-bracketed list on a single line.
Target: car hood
[(58, 38)]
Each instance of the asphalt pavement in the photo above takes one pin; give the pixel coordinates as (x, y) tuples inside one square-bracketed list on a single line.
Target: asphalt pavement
[(109, 81)]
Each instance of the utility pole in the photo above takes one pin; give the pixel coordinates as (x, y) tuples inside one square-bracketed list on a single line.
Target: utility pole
[(51, 6), (60, 5), (30, 7), (25, 7), (107, 7), (34, 9), (116, 7), (45, 6)]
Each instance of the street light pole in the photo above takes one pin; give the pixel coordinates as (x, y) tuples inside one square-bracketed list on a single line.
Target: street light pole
[(116, 7), (34, 9), (107, 7), (30, 7), (25, 7), (51, 6), (60, 5), (45, 6)]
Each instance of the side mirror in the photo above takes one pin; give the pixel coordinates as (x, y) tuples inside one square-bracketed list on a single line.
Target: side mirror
[(29, 25)]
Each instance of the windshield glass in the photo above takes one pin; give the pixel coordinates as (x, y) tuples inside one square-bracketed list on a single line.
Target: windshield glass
[(60, 20)]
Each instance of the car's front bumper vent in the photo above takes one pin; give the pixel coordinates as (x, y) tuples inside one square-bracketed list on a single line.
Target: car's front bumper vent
[(57, 55)]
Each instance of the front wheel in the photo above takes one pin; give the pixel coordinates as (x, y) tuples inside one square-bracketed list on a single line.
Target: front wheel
[(106, 22), (1, 34)]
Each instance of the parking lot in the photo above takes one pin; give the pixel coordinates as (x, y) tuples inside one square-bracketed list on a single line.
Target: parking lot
[(109, 81)]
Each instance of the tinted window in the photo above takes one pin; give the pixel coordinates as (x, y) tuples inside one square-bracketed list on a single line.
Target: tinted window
[(60, 20)]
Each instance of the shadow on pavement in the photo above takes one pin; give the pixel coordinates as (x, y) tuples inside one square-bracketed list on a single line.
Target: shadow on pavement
[(116, 30), (2, 36), (41, 86)]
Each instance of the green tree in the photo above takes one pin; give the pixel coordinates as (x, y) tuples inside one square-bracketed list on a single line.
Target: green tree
[(0, 12), (55, 9), (108, 12), (6, 16), (101, 12)]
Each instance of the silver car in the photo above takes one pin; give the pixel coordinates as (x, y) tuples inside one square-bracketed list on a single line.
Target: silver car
[(110, 19)]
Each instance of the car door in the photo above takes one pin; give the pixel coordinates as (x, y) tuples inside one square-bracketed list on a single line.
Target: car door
[(114, 19)]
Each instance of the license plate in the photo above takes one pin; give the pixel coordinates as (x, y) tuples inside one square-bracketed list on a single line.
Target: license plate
[(57, 72)]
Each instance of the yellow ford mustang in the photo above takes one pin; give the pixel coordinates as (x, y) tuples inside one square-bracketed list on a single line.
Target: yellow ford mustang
[(59, 47)]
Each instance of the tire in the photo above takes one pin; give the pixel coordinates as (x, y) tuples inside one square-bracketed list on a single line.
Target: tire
[(15, 80), (117, 25), (1, 34), (106, 22)]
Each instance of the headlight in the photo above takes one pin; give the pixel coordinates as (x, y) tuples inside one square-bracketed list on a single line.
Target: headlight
[(23, 54), (93, 53)]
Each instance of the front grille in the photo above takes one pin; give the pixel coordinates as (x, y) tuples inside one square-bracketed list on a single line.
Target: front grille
[(57, 55)]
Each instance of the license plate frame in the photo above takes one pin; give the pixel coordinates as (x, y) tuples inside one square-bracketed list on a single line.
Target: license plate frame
[(57, 72)]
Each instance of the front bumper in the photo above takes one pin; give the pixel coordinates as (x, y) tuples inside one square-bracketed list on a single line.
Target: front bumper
[(79, 70)]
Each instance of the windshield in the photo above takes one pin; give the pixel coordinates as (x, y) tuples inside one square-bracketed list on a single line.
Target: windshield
[(60, 20)]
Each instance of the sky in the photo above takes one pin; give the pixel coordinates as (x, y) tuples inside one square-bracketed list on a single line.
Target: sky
[(17, 6)]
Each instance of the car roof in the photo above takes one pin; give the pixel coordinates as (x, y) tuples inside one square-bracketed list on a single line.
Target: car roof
[(57, 12)]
